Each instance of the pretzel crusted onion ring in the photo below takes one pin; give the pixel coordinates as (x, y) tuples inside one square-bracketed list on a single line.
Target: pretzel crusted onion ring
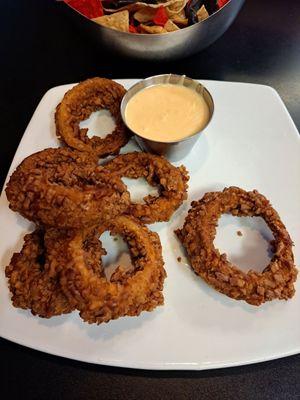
[(64, 188), (127, 292), (198, 233), (34, 273), (171, 182), (79, 103)]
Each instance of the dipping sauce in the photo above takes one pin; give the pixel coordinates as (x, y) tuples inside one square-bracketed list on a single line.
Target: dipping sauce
[(166, 112)]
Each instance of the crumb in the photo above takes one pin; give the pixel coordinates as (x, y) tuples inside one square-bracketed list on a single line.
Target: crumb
[(239, 233), (179, 259), (115, 239)]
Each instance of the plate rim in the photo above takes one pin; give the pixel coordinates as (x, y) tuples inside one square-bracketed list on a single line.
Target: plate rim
[(197, 366)]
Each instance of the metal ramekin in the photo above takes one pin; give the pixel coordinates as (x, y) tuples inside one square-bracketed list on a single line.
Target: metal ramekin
[(173, 150)]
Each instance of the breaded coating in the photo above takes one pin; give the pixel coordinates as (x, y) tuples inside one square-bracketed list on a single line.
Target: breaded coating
[(198, 233), (79, 103), (34, 273), (159, 172), (66, 189), (128, 292)]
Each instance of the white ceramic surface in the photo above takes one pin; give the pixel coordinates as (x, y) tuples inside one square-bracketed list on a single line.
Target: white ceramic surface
[(251, 142)]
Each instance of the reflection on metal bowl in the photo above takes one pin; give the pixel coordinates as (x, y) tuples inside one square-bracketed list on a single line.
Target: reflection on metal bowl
[(166, 46)]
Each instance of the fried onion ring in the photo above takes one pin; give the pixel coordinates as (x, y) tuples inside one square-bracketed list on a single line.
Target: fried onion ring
[(34, 273), (171, 182), (198, 233), (64, 188), (79, 103), (128, 292)]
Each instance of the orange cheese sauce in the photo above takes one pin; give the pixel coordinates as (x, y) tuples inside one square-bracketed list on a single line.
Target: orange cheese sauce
[(166, 112)]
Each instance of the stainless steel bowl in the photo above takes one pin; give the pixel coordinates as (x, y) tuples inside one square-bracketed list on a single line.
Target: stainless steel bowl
[(180, 148), (166, 46)]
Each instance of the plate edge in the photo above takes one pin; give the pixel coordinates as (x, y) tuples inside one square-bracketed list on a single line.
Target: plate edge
[(161, 367)]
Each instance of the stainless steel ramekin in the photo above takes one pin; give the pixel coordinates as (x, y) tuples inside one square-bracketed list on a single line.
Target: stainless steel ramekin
[(173, 150)]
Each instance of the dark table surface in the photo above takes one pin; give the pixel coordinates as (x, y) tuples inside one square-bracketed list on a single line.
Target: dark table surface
[(40, 49)]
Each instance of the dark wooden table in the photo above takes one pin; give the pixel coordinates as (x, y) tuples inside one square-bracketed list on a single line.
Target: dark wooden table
[(40, 49)]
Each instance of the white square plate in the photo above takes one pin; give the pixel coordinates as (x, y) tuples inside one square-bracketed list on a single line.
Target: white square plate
[(252, 143)]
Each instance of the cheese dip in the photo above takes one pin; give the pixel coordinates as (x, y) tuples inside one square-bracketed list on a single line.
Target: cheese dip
[(166, 112)]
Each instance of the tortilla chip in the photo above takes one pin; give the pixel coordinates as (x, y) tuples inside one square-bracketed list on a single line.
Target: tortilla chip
[(202, 13), (144, 14), (118, 21), (137, 6), (152, 29), (170, 26), (179, 20), (175, 11), (177, 8)]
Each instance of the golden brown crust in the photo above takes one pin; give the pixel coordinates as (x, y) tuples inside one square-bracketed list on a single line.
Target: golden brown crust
[(198, 233), (127, 292), (171, 182), (79, 103), (34, 273), (64, 188)]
